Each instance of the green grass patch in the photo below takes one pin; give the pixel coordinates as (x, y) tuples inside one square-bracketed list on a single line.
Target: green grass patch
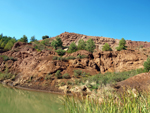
[(109, 103), (7, 75), (66, 76)]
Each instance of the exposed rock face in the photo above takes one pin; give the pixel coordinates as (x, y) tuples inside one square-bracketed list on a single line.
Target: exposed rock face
[(137, 44), (33, 63), (119, 60), (68, 38)]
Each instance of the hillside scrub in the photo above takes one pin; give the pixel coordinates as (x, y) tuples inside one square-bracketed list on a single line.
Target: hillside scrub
[(45, 37), (5, 58), (60, 52), (106, 47), (58, 74), (107, 78), (32, 39), (147, 65), (90, 45), (7, 42), (66, 76), (7, 75), (81, 45), (121, 46), (72, 48), (56, 43), (38, 46), (46, 42), (23, 39)]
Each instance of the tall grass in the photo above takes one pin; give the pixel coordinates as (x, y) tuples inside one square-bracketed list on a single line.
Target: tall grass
[(108, 78), (125, 103)]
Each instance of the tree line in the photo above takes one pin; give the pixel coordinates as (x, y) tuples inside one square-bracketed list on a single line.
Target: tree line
[(7, 42)]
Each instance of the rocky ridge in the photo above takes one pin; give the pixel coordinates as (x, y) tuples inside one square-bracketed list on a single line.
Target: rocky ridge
[(67, 38)]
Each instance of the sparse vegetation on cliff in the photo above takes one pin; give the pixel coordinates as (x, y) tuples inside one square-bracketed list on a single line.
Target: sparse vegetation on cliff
[(5, 58), (6, 75), (45, 37), (58, 74), (106, 47), (60, 52), (81, 45), (66, 76), (90, 45), (23, 39), (72, 48), (122, 44), (57, 43), (6, 42)]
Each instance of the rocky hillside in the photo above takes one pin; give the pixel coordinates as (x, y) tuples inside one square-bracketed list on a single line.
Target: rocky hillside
[(30, 65), (27, 66), (67, 38)]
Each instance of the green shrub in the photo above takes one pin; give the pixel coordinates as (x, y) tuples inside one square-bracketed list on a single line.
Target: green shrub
[(60, 52), (5, 58), (111, 78), (9, 45), (106, 47), (59, 58), (36, 42), (81, 44), (121, 46), (46, 42), (72, 48), (62, 83), (77, 73), (82, 56), (55, 57), (140, 71), (70, 57), (147, 64), (23, 39), (69, 83), (33, 39), (56, 43), (39, 46), (84, 74), (59, 42), (45, 37), (47, 77), (6, 75), (66, 76), (90, 45), (58, 74)]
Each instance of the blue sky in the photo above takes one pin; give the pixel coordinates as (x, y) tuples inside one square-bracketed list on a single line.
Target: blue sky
[(129, 19)]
